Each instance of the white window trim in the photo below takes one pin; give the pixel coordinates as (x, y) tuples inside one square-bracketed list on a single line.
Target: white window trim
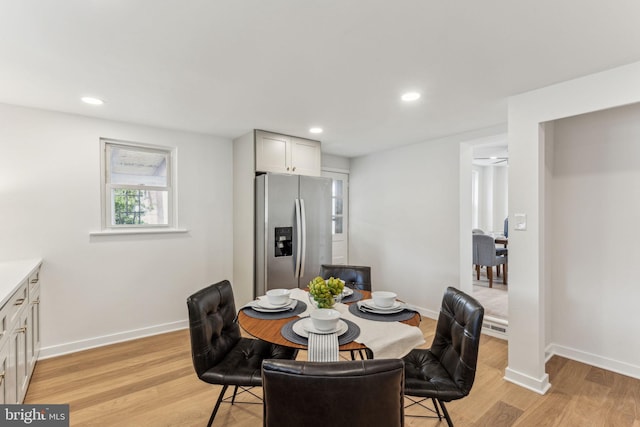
[(105, 205)]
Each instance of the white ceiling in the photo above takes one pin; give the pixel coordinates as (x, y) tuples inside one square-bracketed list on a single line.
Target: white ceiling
[(226, 67)]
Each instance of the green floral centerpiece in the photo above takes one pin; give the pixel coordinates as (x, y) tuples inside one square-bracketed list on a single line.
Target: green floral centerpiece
[(325, 292)]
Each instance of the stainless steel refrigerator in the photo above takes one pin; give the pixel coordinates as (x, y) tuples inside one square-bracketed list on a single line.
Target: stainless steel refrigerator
[(293, 230)]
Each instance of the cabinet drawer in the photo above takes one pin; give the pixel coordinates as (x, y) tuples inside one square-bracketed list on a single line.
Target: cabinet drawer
[(34, 280), (10, 311), (18, 300)]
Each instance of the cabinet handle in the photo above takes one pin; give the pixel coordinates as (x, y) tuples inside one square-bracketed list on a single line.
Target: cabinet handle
[(21, 330), (294, 168), (34, 281), (287, 167), (2, 377), (37, 301), (19, 301)]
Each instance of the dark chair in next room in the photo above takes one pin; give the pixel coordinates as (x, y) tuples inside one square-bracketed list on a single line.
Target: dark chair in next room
[(484, 255)]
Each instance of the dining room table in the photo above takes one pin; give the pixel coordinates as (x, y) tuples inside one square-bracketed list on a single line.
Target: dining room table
[(377, 334), (501, 241)]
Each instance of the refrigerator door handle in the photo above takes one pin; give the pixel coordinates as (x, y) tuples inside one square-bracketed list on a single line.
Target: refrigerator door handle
[(298, 239), (304, 237)]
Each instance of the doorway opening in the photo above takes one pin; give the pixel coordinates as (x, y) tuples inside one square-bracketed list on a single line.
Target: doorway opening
[(489, 211)]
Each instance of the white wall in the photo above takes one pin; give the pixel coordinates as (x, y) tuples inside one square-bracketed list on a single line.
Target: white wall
[(527, 183), (405, 219), (594, 240), (335, 162), (104, 289)]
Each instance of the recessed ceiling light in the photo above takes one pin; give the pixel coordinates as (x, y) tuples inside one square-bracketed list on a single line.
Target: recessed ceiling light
[(315, 130), (91, 100), (410, 96)]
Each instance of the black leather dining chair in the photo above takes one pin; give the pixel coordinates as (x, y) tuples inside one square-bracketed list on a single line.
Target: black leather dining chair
[(362, 393), (354, 276), (220, 355), (447, 370)]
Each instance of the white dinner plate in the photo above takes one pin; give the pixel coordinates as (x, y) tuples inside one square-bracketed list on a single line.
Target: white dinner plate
[(263, 302), (290, 306), (304, 326), (395, 308), (347, 291)]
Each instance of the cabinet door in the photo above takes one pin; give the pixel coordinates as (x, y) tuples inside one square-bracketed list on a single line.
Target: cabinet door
[(20, 340), (11, 387), (4, 373), (272, 153), (33, 331), (305, 157)]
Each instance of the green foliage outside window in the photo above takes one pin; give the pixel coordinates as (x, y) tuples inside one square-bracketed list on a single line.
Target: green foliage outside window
[(130, 206)]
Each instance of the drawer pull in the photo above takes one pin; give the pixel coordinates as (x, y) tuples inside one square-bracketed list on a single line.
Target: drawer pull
[(37, 301), (19, 301), (21, 330), (34, 281)]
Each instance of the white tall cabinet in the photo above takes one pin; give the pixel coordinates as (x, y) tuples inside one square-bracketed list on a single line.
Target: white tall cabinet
[(20, 327), (256, 152)]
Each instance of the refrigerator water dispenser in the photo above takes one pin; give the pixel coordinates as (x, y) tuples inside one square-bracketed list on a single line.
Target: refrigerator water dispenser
[(284, 241)]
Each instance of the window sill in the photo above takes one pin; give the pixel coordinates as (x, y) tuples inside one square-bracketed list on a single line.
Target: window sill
[(129, 232)]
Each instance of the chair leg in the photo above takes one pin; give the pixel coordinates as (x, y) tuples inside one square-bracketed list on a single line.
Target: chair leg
[(435, 405), (490, 275), (215, 409), (498, 270), (504, 276), (235, 391), (446, 413), (477, 272)]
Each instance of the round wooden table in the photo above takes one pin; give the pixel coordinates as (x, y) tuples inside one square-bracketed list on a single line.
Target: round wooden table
[(269, 330)]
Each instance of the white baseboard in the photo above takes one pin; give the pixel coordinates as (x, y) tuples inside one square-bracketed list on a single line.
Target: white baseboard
[(539, 385), (593, 360), (72, 347)]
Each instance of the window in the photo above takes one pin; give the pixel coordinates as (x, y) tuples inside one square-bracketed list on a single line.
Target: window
[(475, 199), (137, 185)]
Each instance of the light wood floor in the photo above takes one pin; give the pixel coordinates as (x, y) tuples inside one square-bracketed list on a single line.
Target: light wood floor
[(151, 382)]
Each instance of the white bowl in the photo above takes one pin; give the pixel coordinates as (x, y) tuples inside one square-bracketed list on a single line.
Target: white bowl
[(325, 319), (383, 299), (278, 296)]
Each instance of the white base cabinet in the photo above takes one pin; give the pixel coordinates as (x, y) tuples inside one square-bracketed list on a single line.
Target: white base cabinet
[(20, 324)]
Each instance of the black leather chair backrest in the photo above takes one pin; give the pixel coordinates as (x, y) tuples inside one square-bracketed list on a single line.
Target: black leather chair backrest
[(354, 276), (362, 393), (211, 322), (457, 337)]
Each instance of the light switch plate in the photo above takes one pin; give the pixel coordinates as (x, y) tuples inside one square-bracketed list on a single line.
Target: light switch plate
[(520, 221)]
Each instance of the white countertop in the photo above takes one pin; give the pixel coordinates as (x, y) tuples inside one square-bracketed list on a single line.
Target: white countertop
[(13, 273)]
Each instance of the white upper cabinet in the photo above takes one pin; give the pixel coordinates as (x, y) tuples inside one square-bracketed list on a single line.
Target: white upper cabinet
[(287, 154)]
